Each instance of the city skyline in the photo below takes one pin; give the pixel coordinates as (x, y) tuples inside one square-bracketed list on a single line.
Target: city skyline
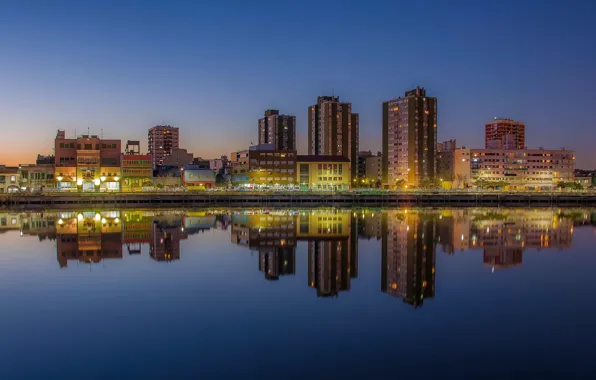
[(78, 67)]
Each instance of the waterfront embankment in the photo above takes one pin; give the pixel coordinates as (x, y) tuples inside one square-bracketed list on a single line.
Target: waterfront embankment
[(302, 199)]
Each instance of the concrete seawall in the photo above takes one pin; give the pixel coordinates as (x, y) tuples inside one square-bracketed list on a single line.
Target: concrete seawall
[(64, 201)]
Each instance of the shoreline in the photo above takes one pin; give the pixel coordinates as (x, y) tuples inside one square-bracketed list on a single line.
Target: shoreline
[(250, 199)]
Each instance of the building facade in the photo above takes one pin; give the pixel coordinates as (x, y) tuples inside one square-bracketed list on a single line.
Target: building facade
[(279, 130), (324, 173), (161, 140), (374, 170), (87, 163), (526, 169), (9, 179), (333, 130), (36, 178), (505, 134), (409, 138), (196, 178), (361, 169), (262, 167), (137, 172)]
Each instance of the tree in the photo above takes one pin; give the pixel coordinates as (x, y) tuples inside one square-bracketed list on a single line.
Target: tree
[(460, 180), (400, 184)]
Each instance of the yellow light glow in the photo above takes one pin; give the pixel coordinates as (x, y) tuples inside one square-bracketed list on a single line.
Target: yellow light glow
[(96, 182), (80, 217), (79, 182), (97, 217)]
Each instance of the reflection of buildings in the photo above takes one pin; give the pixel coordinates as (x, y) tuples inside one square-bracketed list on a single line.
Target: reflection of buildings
[(42, 225), (88, 236), (504, 236), (167, 234), (408, 261), (332, 249), (137, 229), (369, 224), (273, 235), (10, 221)]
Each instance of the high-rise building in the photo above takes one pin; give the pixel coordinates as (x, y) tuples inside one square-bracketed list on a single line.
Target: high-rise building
[(279, 130), (162, 139), (447, 145), (333, 130), (409, 138), (505, 134)]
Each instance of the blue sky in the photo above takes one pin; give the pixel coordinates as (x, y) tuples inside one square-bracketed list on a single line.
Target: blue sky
[(212, 68)]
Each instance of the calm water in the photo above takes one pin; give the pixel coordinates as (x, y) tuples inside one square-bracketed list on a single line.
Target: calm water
[(284, 294)]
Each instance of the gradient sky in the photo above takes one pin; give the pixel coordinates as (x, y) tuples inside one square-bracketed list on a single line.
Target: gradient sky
[(212, 68)]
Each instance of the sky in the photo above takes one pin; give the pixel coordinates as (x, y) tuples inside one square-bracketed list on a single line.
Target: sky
[(213, 67)]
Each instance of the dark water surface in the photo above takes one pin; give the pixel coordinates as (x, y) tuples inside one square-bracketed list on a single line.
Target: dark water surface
[(298, 294)]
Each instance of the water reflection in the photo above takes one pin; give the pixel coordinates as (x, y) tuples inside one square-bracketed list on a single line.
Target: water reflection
[(409, 239)]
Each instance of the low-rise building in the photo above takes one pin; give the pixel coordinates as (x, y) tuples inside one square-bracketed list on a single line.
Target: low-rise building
[(194, 177), (9, 179), (523, 169), (324, 173), (137, 172), (87, 163), (37, 177), (262, 168)]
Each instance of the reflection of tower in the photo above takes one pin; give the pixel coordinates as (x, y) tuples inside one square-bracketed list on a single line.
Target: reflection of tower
[(408, 261), (277, 261), (166, 241), (329, 266), (332, 250)]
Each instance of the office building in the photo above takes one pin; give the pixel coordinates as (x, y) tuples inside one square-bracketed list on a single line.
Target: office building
[(279, 130), (409, 139), (324, 173), (505, 134), (162, 139), (333, 130), (87, 163)]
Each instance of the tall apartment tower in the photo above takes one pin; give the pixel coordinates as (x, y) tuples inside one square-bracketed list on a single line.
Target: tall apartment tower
[(505, 134), (409, 138), (333, 130), (162, 139), (279, 130)]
